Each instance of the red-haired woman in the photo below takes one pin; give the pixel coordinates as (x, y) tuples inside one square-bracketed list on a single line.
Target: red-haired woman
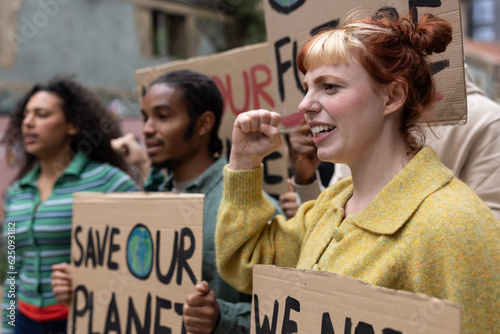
[(403, 221)]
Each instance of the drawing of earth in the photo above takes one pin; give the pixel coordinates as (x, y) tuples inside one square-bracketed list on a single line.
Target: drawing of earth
[(140, 252), (286, 6)]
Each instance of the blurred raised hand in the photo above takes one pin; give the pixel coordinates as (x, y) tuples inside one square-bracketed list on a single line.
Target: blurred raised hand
[(303, 154), (129, 147)]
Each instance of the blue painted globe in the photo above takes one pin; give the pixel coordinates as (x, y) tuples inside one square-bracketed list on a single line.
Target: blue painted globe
[(286, 3), (140, 252), (286, 6)]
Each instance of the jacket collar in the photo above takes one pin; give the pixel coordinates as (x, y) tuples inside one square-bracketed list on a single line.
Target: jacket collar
[(202, 184), (74, 169), (401, 197)]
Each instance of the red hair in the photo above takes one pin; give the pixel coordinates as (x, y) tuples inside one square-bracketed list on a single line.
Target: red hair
[(391, 50)]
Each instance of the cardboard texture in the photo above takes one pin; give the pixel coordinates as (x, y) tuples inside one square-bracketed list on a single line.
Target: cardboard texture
[(244, 79), (289, 23), (304, 301), (135, 257)]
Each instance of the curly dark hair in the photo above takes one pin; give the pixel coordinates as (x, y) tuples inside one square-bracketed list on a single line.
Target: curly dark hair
[(84, 110)]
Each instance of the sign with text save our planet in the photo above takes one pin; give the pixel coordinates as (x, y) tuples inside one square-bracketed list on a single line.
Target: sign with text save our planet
[(289, 300), (135, 257), (289, 23)]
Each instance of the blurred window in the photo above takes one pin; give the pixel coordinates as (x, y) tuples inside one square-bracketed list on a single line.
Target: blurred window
[(483, 11), (10, 37), (486, 34), (483, 20), (169, 35)]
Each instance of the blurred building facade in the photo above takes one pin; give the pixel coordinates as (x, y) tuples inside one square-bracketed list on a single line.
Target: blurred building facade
[(100, 42)]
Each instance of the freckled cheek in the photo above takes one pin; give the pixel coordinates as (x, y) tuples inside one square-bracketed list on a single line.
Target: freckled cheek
[(346, 108), (360, 106)]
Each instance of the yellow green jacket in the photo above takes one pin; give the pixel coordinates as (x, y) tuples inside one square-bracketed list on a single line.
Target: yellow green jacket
[(425, 232)]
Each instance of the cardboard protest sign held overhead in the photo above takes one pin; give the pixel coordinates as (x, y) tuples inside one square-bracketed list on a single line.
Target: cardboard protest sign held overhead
[(304, 301), (135, 257), (288, 23), (243, 77)]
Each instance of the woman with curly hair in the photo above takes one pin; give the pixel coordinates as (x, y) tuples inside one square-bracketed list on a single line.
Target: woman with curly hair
[(64, 132), (403, 220)]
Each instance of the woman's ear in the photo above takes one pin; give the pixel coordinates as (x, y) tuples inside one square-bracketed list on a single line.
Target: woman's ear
[(205, 123), (396, 97)]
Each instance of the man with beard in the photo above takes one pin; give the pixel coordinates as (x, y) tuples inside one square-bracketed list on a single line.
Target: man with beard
[(182, 111)]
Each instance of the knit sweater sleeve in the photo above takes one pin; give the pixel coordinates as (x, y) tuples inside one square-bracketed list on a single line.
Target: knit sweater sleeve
[(457, 259), (245, 234)]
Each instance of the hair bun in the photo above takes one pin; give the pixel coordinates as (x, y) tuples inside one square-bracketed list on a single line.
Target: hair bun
[(431, 35)]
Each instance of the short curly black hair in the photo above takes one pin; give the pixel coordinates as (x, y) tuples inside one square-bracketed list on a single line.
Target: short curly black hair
[(96, 126)]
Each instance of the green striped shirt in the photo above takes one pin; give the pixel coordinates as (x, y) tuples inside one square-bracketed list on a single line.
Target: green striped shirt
[(43, 229)]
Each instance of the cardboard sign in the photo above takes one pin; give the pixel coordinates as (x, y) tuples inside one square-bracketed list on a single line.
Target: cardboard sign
[(288, 23), (305, 301), (135, 257), (243, 76)]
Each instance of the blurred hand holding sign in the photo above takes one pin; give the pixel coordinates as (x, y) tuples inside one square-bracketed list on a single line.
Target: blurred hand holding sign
[(288, 23), (289, 300), (135, 257)]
